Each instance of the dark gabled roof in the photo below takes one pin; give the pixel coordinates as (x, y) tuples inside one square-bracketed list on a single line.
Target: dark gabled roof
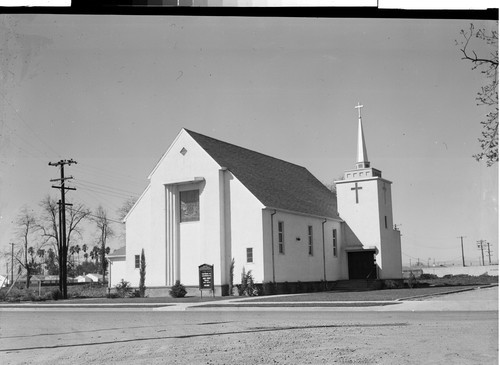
[(276, 183)]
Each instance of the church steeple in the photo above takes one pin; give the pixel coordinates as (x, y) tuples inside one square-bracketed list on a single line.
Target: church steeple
[(362, 160)]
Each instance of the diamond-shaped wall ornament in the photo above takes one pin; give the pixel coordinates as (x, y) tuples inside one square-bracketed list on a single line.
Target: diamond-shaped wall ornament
[(183, 151)]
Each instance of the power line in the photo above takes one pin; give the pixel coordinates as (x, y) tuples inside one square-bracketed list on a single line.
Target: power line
[(102, 191), (107, 187), (29, 127), (112, 174)]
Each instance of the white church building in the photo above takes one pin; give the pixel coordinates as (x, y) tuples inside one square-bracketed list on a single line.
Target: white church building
[(209, 202)]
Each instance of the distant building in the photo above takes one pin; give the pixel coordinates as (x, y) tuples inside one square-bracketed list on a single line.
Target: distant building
[(95, 278), (117, 267), (82, 279), (4, 281)]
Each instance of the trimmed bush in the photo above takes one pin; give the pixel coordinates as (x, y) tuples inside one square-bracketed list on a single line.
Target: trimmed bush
[(269, 288), (178, 290)]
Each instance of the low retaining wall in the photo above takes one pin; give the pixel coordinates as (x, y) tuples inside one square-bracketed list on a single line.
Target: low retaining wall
[(491, 270)]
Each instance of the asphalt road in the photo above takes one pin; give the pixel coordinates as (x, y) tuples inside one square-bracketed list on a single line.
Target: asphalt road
[(308, 336)]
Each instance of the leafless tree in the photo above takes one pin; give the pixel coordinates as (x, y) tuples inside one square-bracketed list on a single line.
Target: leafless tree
[(103, 225), (26, 230), (488, 95), (49, 224)]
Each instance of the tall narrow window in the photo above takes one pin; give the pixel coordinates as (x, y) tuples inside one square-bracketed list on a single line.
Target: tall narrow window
[(137, 261), (249, 254), (334, 243), (310, 239), (385, 218), (281, 237), (189, 205)]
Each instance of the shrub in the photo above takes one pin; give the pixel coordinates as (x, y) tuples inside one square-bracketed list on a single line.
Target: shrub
[(142, 273), (299, 288), (231, 277), (247, 286), (113, 295), (428, 276), (54, 294), (391, 284), (178, 290), (269, 288), (123, 288), (92, 290)]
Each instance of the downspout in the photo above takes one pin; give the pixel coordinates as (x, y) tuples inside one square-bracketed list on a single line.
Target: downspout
[(324, 254), (272, 243)]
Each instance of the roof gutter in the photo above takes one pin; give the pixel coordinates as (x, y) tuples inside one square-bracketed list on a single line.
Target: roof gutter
[(272, 243), (336, 219), (324, 254)]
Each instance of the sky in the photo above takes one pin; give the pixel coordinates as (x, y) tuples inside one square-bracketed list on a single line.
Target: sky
[(112, 93)]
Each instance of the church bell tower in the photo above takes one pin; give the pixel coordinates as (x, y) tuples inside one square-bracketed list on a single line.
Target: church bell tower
[(365, 204)]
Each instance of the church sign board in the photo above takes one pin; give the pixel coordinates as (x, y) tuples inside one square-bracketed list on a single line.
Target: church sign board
[(206, 276)]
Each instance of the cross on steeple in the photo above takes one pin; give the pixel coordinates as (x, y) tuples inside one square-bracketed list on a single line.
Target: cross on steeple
[(356, 188), (359, 109)]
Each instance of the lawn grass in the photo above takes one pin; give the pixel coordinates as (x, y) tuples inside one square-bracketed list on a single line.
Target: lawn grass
[(96, 294), (355, 296)]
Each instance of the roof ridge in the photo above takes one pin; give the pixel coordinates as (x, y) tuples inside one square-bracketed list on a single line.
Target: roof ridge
[(244, 148)]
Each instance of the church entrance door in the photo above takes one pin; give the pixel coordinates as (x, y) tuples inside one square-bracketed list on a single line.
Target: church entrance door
[(362, 265)]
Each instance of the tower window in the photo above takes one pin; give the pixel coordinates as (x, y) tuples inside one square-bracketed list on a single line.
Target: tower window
[(281, 237), (310, 239), (137, 261), (385, 218), (334, 243)]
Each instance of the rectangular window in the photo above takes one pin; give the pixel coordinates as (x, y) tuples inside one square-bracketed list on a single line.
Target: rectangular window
[(281, 237), (385, 217), (189, 205), (334, 243), (249, 254), (310, 239), (137, 261)]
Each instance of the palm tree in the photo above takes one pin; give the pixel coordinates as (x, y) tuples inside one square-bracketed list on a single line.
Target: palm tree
[(84, 249), (77, 250), (72, 252)]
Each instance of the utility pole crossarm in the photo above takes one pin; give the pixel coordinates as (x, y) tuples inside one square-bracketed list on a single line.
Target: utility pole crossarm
[(63, 249)]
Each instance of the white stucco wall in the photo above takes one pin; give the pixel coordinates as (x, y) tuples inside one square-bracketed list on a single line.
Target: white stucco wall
[(118, 270), (296, 264), (230, 220), (245, 220), (199, 242), (371, 221), (137, 237)]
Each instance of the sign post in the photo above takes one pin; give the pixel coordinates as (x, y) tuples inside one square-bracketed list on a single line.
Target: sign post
[(206, 276)]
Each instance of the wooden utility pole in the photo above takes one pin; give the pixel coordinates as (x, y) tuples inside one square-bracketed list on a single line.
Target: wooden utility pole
[(12, 264), (489, 253), (480, 246), (462, 244), (63, 247)]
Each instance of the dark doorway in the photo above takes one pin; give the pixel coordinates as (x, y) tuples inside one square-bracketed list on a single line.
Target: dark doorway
[(362, 265)]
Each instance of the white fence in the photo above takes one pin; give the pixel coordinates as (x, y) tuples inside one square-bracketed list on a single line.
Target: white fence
[(491, 270)]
